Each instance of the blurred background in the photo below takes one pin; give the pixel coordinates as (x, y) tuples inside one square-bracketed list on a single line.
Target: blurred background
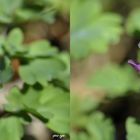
[(105, 89)]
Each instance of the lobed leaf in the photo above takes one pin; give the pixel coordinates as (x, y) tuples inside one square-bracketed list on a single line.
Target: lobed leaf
[(41, 71), (114, 80), (50, 103), (11, 128), (94, 31)]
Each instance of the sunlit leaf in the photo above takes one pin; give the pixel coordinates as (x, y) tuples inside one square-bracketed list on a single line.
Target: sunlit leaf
[(114, 80), (41, 70), (41, 48), (13, 43), (49, 103), (133, 24), (132, 128), (100, 127), (94, 31), (7, 9), (11, 128)]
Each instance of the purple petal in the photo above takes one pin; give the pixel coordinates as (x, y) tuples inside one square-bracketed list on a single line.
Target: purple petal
[(134, 65)]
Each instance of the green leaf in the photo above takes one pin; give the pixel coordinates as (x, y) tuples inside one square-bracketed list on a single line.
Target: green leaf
[(15, 37), (11, 128), (133, 129), (57, 102), (91, 125), (23, 15), (79, 117), (58, 5), (41, 70), (50, 103), (2, 40), (41, 48), (100, 127), (5, 70), (7, 9), (13, 43), (114, 80), (14, 98), (65, 76), (133, 24), (63, 6), (28, 14), (94, 31)]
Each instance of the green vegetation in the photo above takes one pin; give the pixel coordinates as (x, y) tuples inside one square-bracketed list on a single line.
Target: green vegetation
[(41, 68), (97, 28)]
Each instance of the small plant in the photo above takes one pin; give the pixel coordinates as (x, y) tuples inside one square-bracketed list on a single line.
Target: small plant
[(45, 85)]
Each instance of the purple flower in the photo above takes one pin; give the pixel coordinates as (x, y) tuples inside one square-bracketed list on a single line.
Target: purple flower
[(134, 65)]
